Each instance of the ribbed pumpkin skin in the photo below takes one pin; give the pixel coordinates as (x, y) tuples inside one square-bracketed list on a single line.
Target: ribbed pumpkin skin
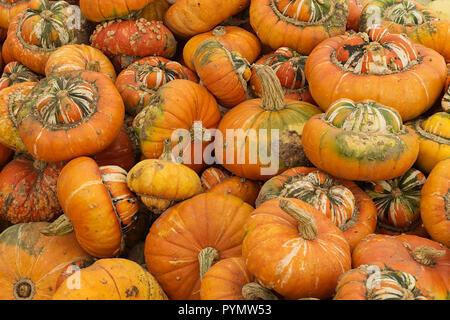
[(434, 140), (224, 73), (98, 11), (79, 57), (375, 146), (299, 25), (139, 81), (182, 231), (225, 279), (155, 10), (11, 101), (15, 72), (27, 255), (28, 190), (395, 252), (190, 17), (282, 260), (112, 279), (212, 176), (135, 38), (242, 188), (411, 87), (368, 282), (409, 17), (98, 203), (232, 38), (177, 105), (82, 109), (342, 201), (397, 201), (435, 203), (33, 48), (9, 9), (250, 114)]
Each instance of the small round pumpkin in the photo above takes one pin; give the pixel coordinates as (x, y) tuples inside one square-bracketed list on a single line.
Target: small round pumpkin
[(428, 261), (342, 201), (97, 205), (286, 239), (370, 282), (189, 237), (28, 190), (229, 279), (387, 68), (70, 114), (111, 279), (32, 262), (361, 141), (79, 57), (435, 203)]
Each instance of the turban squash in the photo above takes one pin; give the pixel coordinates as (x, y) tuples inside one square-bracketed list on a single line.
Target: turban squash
[(387, 68), (300, 25), (97, 205), (189, 237), (342, 201), (435, 203), (286, 239), (32, 262), (70, 114), (361, 141), (419, 23), (15, 72)]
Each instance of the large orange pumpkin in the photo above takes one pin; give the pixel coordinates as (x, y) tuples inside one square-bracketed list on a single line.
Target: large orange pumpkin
[(361, 141), (435, 203), (295, 250), (30, 263), (70, 114), (97, 205), (189, 237), (387, 68), (298, 24), (428, 261)]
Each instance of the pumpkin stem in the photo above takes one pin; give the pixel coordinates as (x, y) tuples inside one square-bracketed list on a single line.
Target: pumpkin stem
[(167, 153), (307, 225), (272, 91), (59, 227), (255, 291), (24, 289), (206, 258), (219, 31), (425, 255)]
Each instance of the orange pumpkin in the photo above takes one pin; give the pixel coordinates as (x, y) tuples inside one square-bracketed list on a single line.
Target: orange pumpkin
[(298, 24), (139, 81), (178, 105), (5, 154), (97, 205), (155, 10), (363, 66), (428, 261), (232, 38), (419, 23), (229, 279), (285, 242), (187, 18), (342, 201), (249, 128), (435, 203), (242, 188), (80, 109), (111, 279), (28, 190), (369, 282), (189, 237), (362, 141), (32, 262), (98, 11), (224, 73), (212, 176), (355, 8), (15, 72), (9, 9), (79, 57)]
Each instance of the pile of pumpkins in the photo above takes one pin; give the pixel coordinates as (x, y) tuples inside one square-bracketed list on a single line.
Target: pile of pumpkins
[(95, 203)]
